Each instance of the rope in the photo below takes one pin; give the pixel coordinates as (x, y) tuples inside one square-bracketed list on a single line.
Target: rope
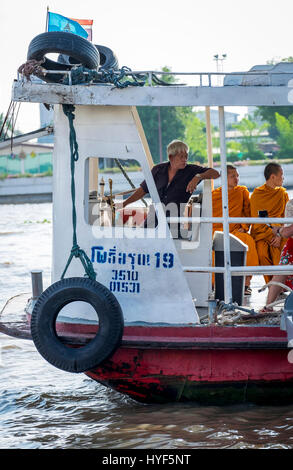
[(76, 251), (127, 177), (32, 67), (275, 283), (78, 76), (116, 77), (5, 119)]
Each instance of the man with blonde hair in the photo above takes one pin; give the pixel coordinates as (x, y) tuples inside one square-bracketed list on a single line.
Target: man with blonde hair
[(176, 179)]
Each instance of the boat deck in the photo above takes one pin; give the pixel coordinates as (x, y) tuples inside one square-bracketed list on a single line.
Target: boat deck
[(13, 320), (255, 301)]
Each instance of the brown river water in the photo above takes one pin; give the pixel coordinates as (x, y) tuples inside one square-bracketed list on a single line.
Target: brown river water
[(42, 407)]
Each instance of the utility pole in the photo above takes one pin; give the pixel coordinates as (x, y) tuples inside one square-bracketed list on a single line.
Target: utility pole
[(160, 135)]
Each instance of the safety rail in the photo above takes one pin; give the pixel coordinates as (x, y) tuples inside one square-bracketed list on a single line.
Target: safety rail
[(237, 270), (148, 74), (234, 220), (227, 270)]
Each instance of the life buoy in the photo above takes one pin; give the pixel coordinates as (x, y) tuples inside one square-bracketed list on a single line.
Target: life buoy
[(80, 49), (45, 313)]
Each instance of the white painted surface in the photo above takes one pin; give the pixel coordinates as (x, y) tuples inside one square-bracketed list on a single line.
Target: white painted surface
[(152, 95), (25, 186), (163, 294)]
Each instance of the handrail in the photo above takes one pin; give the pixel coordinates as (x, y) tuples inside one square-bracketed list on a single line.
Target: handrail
[(240, 270), (237, 270), (149, 74), (233, 220)]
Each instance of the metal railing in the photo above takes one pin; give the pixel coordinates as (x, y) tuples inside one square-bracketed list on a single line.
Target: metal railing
[(202, 76), (228, 270)]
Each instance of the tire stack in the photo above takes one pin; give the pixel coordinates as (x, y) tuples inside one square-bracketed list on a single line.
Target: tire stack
[(72, 50)]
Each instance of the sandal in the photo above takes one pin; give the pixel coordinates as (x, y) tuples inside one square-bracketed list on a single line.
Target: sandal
[(247, 291), (266, 310)]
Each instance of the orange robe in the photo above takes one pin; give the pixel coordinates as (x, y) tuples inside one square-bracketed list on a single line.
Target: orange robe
[(239, 206), (274, 201)]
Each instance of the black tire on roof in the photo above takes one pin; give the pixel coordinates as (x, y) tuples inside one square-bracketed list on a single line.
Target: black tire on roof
[(82, 50), (108, 59)]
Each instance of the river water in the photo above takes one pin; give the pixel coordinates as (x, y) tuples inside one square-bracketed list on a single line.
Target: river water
[(42, 407)]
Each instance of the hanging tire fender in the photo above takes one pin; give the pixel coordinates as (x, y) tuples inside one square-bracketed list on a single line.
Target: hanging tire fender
[(44, 317)]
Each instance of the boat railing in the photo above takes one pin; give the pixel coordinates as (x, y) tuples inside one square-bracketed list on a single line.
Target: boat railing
[(206, 79), (227, 268)]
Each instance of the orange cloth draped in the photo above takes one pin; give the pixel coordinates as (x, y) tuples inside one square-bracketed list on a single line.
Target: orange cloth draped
[(274, 201), (239, 206)]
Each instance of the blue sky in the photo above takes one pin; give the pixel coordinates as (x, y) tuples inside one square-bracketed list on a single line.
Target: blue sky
[(184, 35)]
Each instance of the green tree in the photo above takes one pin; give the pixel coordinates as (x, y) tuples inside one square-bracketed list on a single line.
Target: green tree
[(250, 131), (2, 135), (285, 137), (195, 137), (7, 128), (268, 113), (163, 124)]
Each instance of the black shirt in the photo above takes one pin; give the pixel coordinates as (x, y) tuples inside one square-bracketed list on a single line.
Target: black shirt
[(176, 190)]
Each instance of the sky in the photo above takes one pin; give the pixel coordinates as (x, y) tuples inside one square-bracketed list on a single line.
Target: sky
[(183, 35)]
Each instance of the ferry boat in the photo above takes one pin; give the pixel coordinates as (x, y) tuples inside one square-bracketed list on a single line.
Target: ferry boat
[(134, 308)]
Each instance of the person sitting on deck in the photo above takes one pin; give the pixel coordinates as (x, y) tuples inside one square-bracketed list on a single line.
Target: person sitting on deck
[(285, 259), (175, 180), (239, 206), (271, 198)]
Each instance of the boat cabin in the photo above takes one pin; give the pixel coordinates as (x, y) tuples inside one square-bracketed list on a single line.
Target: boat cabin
[(162, 273)]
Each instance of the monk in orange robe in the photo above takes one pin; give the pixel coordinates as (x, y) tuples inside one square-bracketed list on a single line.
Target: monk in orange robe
[(270, 197), (239, 206)]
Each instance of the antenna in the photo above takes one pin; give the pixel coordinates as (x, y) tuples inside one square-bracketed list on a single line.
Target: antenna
[(220, 66), (47, 15)]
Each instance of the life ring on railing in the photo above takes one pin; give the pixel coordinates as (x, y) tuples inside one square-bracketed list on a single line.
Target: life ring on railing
[(44, 318)]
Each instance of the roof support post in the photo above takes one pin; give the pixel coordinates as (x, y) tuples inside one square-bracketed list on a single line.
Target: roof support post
[(225, 208), (209, 140)]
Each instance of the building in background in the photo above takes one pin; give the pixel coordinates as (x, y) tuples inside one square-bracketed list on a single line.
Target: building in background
[(46, 119), (27, 158), (230, 118)]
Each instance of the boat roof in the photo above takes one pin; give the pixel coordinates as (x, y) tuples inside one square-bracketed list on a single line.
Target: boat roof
[(261, 86)]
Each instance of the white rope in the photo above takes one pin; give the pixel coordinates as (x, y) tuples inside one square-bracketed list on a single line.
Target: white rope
[(275, 283), (11, 298)]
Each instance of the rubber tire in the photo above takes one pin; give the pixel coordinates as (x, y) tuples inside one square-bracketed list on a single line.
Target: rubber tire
[(108, 59), (82, 50), (43, 324)]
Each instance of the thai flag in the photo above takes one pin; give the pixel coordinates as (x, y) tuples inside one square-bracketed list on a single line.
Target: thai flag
[(58, 22)]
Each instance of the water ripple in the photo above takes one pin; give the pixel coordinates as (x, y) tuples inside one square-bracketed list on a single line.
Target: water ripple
[(44, 408)]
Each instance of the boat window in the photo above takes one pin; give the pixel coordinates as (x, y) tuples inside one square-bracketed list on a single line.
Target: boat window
[(108, 183)]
